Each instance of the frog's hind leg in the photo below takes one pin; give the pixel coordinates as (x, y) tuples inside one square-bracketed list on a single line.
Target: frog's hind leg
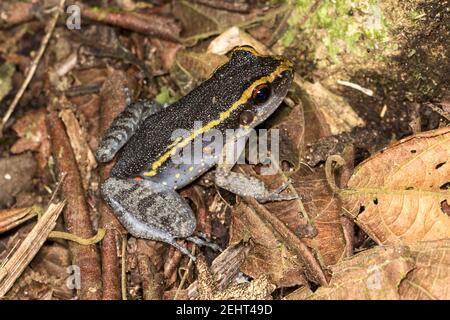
[(150, 210), (124, 126)]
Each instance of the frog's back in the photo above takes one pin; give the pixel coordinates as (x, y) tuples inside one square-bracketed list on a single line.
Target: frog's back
[(204, 104)]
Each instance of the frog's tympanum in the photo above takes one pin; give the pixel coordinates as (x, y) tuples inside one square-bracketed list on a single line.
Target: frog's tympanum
[(142, 185)]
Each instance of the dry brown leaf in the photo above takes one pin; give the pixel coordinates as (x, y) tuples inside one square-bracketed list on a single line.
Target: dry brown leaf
[(332, 110), (201, 20), (370, 275), (257, 289), (324, 211), (419, 271), (430, 277), (292, 134), (225, 267), (32, 130), (396, 196), (11, 218), (234, 37), (190, 68), (269, 255)]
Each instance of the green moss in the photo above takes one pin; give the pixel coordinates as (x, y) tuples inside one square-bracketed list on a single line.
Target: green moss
[(164, 96), (351, 26)]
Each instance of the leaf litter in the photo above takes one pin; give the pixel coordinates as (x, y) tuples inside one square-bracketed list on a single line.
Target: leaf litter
[(398, 198)]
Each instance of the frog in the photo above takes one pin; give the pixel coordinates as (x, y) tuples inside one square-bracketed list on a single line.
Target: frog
[(142, 185)]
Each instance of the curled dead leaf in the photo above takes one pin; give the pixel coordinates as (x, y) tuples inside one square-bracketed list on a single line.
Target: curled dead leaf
[(396, 196)]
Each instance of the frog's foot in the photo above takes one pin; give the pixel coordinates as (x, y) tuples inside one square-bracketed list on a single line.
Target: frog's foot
[(203, 242), (124, 126), (246, 186), (150, 210)]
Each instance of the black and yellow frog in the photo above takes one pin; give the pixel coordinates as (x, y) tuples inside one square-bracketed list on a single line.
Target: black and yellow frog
[(142, 185)]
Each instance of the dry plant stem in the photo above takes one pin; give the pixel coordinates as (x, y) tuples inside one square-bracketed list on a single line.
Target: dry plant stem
[(151, 25), (11, 218), (33, 66), (172, 263), (110, 264), (347, 229), (112, 103), (76, 216), (124, 268), (152, 284), (235, 6), (15, 265), (346, 222), (185, 275), (315, 271)]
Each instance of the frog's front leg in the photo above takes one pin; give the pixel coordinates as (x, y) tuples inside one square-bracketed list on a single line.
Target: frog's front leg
[(150, 210), (242, 185)]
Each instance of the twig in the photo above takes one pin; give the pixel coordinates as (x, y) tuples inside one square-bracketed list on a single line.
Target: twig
[(148, 24), (171, 263), (233, 6), (152, 280), (14, 267), (113, 102), (33, 66), (76, 216), (356, 87), (124, 270), (185, 275)]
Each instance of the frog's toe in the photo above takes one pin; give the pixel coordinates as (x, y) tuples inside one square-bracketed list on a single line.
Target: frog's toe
[(204, 243), (149, 210)]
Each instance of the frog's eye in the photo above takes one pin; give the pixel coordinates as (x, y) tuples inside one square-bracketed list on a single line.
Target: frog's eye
[(246, 117), (261, 93)]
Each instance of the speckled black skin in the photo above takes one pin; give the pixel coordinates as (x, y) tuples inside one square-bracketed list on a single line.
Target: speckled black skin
[(204, 104), (150, 208)]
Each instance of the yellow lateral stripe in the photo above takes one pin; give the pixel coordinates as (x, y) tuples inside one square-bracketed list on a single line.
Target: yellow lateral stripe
[(284, 66)]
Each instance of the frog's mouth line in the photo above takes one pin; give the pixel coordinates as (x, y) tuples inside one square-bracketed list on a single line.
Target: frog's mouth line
[(285, 66)]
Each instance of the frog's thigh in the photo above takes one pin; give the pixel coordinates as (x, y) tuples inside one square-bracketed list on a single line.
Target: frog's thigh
[(149, 210), (245, 186)]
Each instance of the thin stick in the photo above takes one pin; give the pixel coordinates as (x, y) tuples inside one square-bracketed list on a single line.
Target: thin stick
[(124, 265), (33, 66), (185, 275), (14, 267)]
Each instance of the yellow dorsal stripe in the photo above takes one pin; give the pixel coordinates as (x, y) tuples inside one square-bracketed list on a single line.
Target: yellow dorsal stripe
[(284, 66)]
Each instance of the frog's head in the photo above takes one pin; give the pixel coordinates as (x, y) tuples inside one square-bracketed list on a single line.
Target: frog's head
[(264, 81)]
